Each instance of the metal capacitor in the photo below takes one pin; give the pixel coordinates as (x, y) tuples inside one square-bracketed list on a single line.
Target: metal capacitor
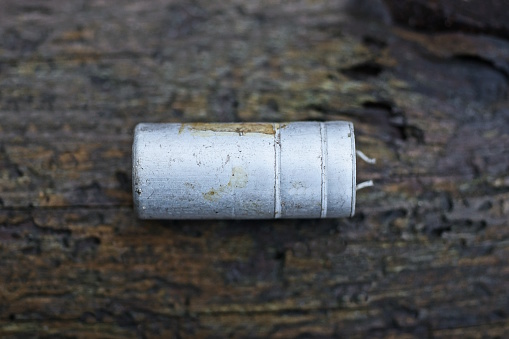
[(244, 170)]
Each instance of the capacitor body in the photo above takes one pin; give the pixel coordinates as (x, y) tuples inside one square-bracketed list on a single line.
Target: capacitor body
[(244, 170)]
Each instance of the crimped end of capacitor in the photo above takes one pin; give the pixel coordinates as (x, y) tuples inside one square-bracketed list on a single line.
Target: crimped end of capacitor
[(354, 171), (135, 179)]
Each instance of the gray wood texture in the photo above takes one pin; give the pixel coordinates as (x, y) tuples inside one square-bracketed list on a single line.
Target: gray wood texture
[(425, 256)]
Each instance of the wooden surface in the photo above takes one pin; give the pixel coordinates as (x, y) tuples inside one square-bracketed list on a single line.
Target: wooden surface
[(425, 256)]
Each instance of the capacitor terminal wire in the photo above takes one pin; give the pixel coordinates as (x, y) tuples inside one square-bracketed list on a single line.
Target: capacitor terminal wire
[(364, 157), (364, 184), (370, 161)]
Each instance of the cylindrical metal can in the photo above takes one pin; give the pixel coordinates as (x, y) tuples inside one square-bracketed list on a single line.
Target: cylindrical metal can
[(244, 170)]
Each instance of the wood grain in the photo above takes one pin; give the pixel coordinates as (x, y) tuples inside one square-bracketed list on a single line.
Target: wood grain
[(425, 255)]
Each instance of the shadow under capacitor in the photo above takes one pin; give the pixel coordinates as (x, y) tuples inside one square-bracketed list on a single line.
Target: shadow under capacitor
[(244, 170)]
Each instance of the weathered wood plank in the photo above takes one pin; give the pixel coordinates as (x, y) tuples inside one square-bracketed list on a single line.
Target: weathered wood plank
[(426, 254)]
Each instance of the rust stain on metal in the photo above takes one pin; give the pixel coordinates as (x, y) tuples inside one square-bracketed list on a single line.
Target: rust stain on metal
[(240, 128), (211, 195), (182, 127), (238, 179)]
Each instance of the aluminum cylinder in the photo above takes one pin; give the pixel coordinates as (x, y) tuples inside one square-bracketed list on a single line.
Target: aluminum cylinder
[(244, 170)]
